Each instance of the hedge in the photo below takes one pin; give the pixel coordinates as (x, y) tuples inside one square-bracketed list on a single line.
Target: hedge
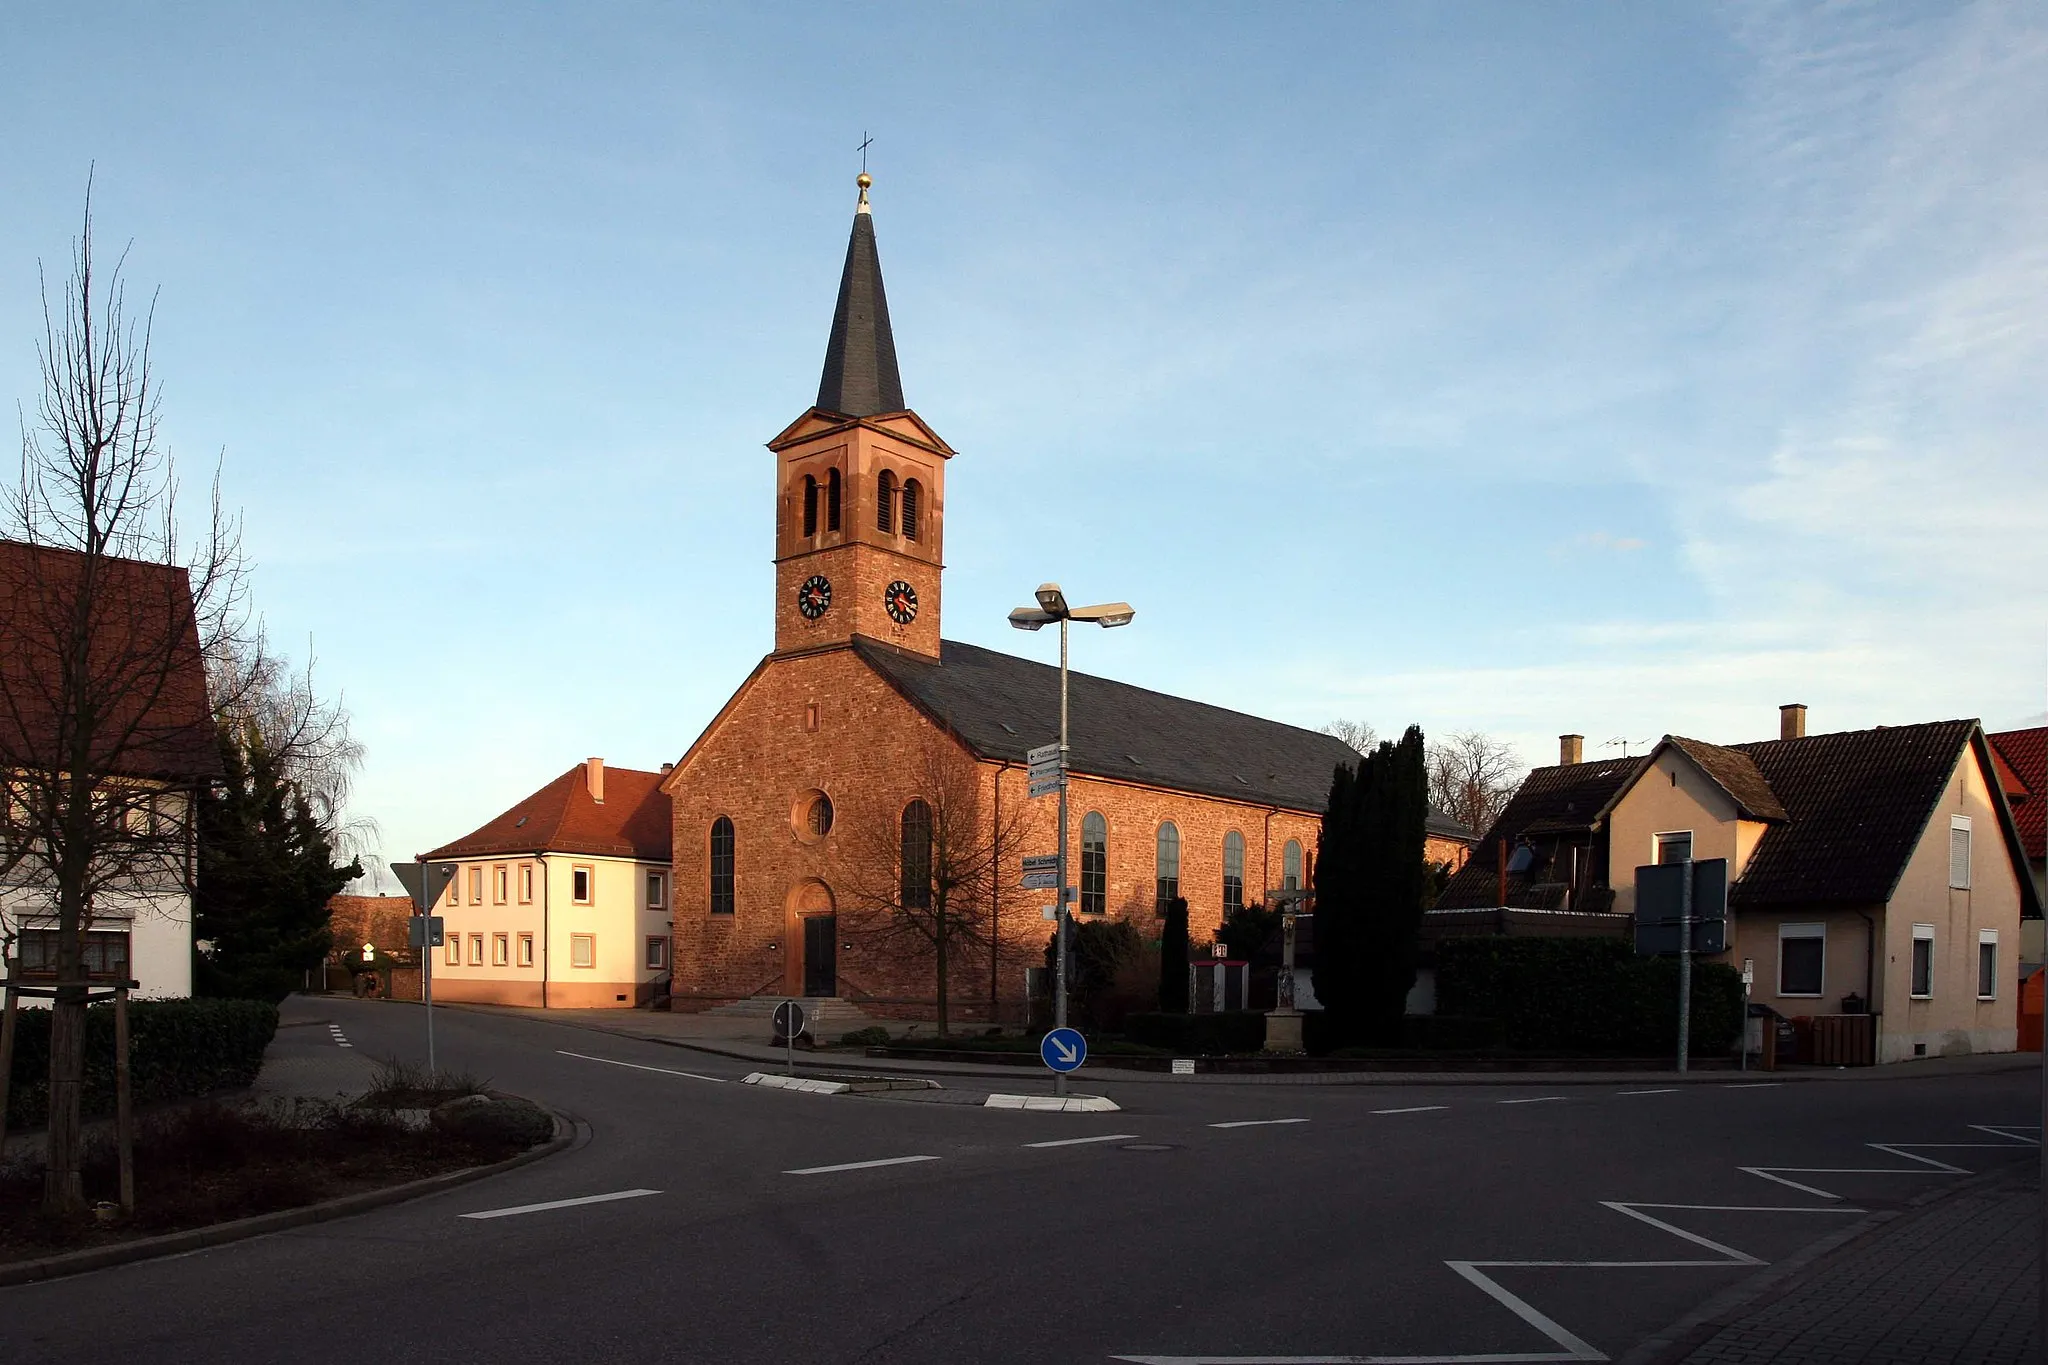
[(178, 1049), (1203, 1035), (1585, 995)]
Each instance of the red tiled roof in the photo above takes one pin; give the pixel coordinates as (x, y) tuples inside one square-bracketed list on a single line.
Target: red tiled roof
[(2027, 752), (632, 822)]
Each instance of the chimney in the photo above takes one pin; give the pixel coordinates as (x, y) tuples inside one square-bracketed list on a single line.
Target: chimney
[(1571, 749), (668, 767), (1792, 720), (593, 778)]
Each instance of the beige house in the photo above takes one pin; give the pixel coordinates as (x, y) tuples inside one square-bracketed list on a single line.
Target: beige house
[(1872, 872), (562, 902)]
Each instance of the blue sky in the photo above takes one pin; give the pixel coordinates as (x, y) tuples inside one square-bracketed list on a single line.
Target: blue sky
[(1622, 369)]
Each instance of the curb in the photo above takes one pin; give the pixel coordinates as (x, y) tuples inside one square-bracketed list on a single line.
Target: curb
[(1783, 1278), (1056, 1104), (241, 1229)]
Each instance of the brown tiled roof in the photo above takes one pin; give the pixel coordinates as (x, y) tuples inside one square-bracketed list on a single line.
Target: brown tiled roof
[(1735, 772), (1557, 800), (2027, 752), (632, 822)]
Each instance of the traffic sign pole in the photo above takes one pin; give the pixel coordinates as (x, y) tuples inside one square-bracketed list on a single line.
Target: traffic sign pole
[(427, 978), (1685, 964)]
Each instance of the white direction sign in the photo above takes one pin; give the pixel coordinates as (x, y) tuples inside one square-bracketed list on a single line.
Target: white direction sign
[(1042, 862), (1041, 881), (1042, 755)]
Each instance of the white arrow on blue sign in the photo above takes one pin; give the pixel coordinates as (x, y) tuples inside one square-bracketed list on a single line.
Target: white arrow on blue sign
[(1064, 1050)]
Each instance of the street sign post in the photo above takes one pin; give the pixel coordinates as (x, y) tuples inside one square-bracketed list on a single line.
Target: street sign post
[(426, 931), (1040, 881), (789, 1022), (1047, 772), (1698, 892), (1063, 1049), (425, 882), (1042, 862)]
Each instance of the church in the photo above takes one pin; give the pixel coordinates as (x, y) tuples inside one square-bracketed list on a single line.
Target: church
[(869, 765)]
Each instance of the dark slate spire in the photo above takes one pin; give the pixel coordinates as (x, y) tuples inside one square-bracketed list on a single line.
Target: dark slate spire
[(860, 376)]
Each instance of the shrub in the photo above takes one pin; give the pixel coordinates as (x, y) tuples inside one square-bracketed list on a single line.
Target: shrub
[(1585, 995), (177, 1049), (495, 1120), (1449, 1033), (874, 1035), (1201, 1035)]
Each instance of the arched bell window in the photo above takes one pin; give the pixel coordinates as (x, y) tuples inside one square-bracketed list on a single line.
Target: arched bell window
[(1166, 874), (1233, 873), (810, 507), (917, 856), (912, 495), (885, 502), (832, 500), (721, 866), (1094, 864)]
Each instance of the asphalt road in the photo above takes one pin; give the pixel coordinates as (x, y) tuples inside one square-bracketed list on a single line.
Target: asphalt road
[(1201, 1222)]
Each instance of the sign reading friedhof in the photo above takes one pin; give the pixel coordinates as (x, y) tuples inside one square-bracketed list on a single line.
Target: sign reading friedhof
[(1046, 770), (1660, 892)]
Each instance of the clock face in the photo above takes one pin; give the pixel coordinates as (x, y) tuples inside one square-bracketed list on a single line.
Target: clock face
[(902, 600), (813, 596)]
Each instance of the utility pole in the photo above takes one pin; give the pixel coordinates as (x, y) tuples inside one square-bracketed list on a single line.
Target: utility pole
[(1685, 962), (1059, 999)]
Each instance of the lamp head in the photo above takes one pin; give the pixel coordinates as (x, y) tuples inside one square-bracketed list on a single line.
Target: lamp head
[(1051, 600), (1030, 618), (1107, 614)]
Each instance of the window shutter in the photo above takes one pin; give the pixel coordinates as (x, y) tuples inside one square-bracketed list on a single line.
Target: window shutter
[(1959, 852)]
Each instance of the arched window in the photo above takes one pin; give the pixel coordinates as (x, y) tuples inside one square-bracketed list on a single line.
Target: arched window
[(1290, 866), (911, 490), (917, 856), (1094, 864), (1166, 878), (832, 500), (810, 506), (885, 502), (1233, 873), (721, 866)]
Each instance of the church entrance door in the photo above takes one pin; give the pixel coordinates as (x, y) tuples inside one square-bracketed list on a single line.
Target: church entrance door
[(821, 955)]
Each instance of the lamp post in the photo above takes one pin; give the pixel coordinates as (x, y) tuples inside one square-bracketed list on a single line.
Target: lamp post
[(1052, 606)]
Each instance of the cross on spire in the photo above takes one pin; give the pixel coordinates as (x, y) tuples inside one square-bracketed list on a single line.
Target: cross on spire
[(865, 143)]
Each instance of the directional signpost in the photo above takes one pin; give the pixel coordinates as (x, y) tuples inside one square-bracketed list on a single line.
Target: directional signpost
[(1041, 872), (789, 1022), (425, 882), (1682, 908), (1063, 1050), (1046, 770)]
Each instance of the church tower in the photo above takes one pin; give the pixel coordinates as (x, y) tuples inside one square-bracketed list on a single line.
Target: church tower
[(860, 485)]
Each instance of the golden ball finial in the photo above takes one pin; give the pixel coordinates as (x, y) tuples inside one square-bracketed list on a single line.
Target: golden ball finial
[(863, 180)]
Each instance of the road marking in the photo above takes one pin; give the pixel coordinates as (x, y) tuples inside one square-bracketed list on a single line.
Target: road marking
[(1533, 1099), (859, 1165), (1749, 1085), (1418, 1109), (1667, 1090), (561, 1204), (715, 1080), (1259, 1123), (1078, 1142)]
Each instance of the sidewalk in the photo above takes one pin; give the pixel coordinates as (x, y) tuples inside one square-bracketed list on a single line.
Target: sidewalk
[(1954, 1282)]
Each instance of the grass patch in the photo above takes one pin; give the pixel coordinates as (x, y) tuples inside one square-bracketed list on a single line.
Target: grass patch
[(399, 1084)]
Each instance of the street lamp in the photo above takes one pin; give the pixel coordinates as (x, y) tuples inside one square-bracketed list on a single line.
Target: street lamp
[(1052, 606)]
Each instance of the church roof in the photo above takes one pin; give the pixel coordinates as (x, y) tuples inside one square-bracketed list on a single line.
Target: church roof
[(860, 376), (1001, 706)]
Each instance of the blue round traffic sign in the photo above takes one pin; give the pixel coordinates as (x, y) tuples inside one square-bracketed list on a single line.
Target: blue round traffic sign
[(1063, 1049)]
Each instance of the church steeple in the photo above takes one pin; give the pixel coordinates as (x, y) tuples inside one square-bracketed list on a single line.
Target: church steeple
[(860, 378)]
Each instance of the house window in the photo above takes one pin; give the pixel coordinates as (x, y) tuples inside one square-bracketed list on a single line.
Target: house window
[(501, 950), (1922, 984), (455, 889), (1166, 868), (526, 950), (1094, 864), (916, 859), (721, 866), (1674, 848), (1290, 866), (500, 877), (810, 506), (885, 502), (912, 490), (476, 950), (1987, 964), (657, 954), (526, 883), (453, 944), (582, 888), (103, 953), (810, 718), (832, 500), (1233, 873), (476, 886), (1959, 852), (657, 891), (1802, 958), (583, 950)]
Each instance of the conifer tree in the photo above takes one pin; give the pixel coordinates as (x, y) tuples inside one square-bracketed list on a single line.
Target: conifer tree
[(1340, 900), (1173, 959), (1393, 820)]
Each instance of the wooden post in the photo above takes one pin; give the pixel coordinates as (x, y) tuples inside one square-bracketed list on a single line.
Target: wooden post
[(7, 1012), (124, 1111)]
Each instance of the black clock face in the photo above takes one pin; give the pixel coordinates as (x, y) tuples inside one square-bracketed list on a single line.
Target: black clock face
[(813, 596), (902, 600)]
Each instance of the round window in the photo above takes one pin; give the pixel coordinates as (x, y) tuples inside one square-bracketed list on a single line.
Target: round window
[(810, 816)]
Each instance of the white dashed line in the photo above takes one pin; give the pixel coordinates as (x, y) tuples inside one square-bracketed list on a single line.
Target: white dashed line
[(1749, 1085), (1532, 1099), (715, 1080), (1667, 1090), (1259, 1123), (859, 1165), (1418, 1109), (560, 1204), (1080, 1142)]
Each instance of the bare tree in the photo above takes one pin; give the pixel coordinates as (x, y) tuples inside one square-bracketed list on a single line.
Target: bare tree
[(930, 873), (1361, 737), (309, 739), (1471, 777), (110, 617)]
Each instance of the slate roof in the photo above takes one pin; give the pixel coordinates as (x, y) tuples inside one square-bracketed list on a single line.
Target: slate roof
[(2027, 753), (1001, 706), (1736, 773), (1561, 800), (860, 378), (632, 822)]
